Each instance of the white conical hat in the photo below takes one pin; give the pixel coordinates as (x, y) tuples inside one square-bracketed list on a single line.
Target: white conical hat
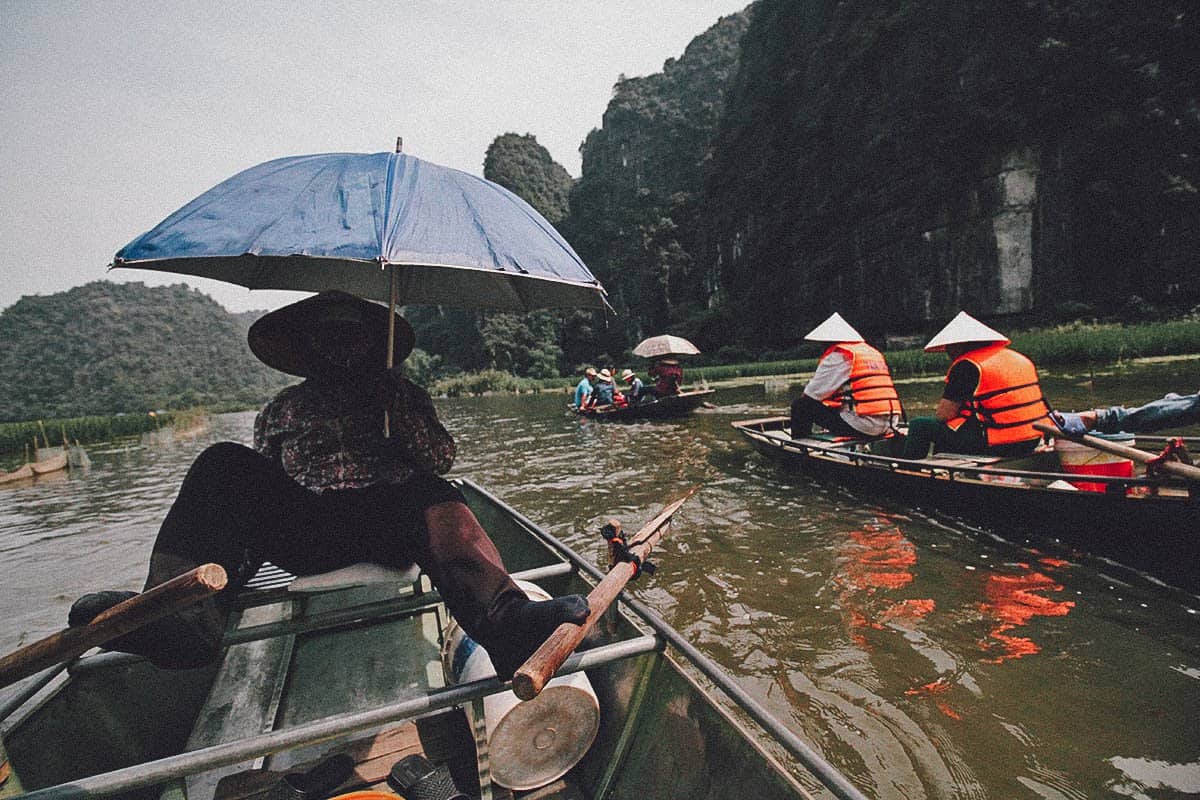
[(964, 328), (834, 329)]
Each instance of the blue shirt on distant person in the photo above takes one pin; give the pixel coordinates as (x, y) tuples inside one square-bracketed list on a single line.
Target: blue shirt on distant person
[(602, 393), (583, 389)]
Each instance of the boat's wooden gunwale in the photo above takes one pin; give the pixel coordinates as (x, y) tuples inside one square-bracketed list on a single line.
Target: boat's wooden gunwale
[(945, 469)]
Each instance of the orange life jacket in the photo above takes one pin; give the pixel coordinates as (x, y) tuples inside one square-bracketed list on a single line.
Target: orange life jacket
[(869, 390), (1008, 399)]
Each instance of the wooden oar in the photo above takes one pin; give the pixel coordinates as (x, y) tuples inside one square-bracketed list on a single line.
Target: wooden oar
[(163, 600), (1177, 468), (536, 672)]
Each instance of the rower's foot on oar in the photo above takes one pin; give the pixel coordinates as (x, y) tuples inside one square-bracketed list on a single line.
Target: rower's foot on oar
[(185, 640), (90, 606), (525, 624)]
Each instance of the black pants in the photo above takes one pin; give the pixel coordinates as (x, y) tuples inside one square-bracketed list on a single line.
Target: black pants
[(806, 411), (238, 509)]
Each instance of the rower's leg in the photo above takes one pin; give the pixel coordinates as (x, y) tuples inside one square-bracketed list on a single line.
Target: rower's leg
[(230, 501), (466, 567)]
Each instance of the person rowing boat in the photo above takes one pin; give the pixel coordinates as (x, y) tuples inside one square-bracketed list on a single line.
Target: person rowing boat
[(851, 392), (325, 488), (991, 400)]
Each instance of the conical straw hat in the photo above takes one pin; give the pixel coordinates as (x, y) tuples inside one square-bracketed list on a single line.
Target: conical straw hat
[(834, 329), (964, 328)]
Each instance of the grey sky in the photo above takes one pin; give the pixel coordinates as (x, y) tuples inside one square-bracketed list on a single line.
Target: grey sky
[(114, 114)]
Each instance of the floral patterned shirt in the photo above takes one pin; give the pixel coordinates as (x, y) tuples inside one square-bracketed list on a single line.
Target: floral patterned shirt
[(329, 435)]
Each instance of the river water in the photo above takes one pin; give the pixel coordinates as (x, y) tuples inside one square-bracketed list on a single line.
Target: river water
[(923, 658)]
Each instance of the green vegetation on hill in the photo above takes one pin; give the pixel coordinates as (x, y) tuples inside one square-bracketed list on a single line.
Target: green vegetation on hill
[(104, 348), (885, 159)]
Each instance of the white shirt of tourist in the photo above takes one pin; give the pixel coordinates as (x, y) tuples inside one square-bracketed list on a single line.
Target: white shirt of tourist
[(832, 374)]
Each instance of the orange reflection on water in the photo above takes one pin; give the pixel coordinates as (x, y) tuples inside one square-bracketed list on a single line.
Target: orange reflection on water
[(1014, 600), (935, 690), (879, 559)]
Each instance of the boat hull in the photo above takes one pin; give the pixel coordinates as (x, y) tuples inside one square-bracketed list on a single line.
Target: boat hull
[(662, 408), (1155, 534), (361, 659)]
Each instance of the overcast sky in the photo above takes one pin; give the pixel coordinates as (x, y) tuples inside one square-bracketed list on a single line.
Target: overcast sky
[(114, 114)]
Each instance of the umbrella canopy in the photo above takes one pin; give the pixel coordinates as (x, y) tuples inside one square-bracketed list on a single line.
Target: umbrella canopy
[(341, 220), (665, 345)]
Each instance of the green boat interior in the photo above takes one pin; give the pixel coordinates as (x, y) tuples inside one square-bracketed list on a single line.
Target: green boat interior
[(361, 671)]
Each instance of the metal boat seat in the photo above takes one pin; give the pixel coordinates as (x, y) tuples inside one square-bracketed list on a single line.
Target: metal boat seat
[(354, 575)]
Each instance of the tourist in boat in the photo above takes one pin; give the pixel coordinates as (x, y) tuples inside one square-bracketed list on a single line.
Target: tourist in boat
[(668, 376), (991, 399), (583, 389), (636, 391), (1171, 411), (602, 393), (324, 488), (851, 393)]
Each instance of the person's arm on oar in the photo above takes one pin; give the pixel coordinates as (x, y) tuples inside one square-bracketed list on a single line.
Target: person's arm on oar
[(132, 614), (536, 672)]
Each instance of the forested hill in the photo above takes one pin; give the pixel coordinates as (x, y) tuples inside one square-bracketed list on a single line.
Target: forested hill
[(901, 161), (111, 347), (635, 212)]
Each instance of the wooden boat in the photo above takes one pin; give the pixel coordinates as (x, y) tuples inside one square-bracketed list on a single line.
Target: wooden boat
[(660, 408), (1150, 523), (360, 671), (21, 473), (49, 464)]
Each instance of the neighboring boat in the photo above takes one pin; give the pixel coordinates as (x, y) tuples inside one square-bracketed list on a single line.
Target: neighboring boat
[(21, 473), (1150, 523), (675, 405), (360, 671), (48, 464)]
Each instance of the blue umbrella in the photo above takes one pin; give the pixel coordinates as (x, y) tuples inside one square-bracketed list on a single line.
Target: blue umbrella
[(384, 226)]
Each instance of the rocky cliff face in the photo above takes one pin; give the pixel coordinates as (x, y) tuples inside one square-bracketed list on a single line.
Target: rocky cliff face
[(898, 162)]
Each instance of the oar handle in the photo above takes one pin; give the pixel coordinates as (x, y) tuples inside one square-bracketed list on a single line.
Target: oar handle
[(1141, 456), (532, 676), (153, 604)]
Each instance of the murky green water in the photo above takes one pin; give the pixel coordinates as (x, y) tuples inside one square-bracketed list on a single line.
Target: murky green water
[(923, 658)]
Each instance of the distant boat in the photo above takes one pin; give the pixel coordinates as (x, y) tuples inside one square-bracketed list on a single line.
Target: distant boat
[(48, 464), (675, 405), (23, 472)]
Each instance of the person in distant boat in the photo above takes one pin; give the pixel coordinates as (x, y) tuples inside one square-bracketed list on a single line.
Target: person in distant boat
[(636, 393), (583, 389), (851, 393), (1171, 411), (668, 376), (324, 488), (991, 400), (602, 392)]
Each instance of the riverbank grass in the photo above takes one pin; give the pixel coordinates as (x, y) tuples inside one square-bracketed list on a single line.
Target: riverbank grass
[(1084, 345), (15, 435)]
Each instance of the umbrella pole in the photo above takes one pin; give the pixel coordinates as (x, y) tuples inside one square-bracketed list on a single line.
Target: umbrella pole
[(391, 343)]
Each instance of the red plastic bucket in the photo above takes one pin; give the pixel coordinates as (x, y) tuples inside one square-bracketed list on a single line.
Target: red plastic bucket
[(1079, 459)]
